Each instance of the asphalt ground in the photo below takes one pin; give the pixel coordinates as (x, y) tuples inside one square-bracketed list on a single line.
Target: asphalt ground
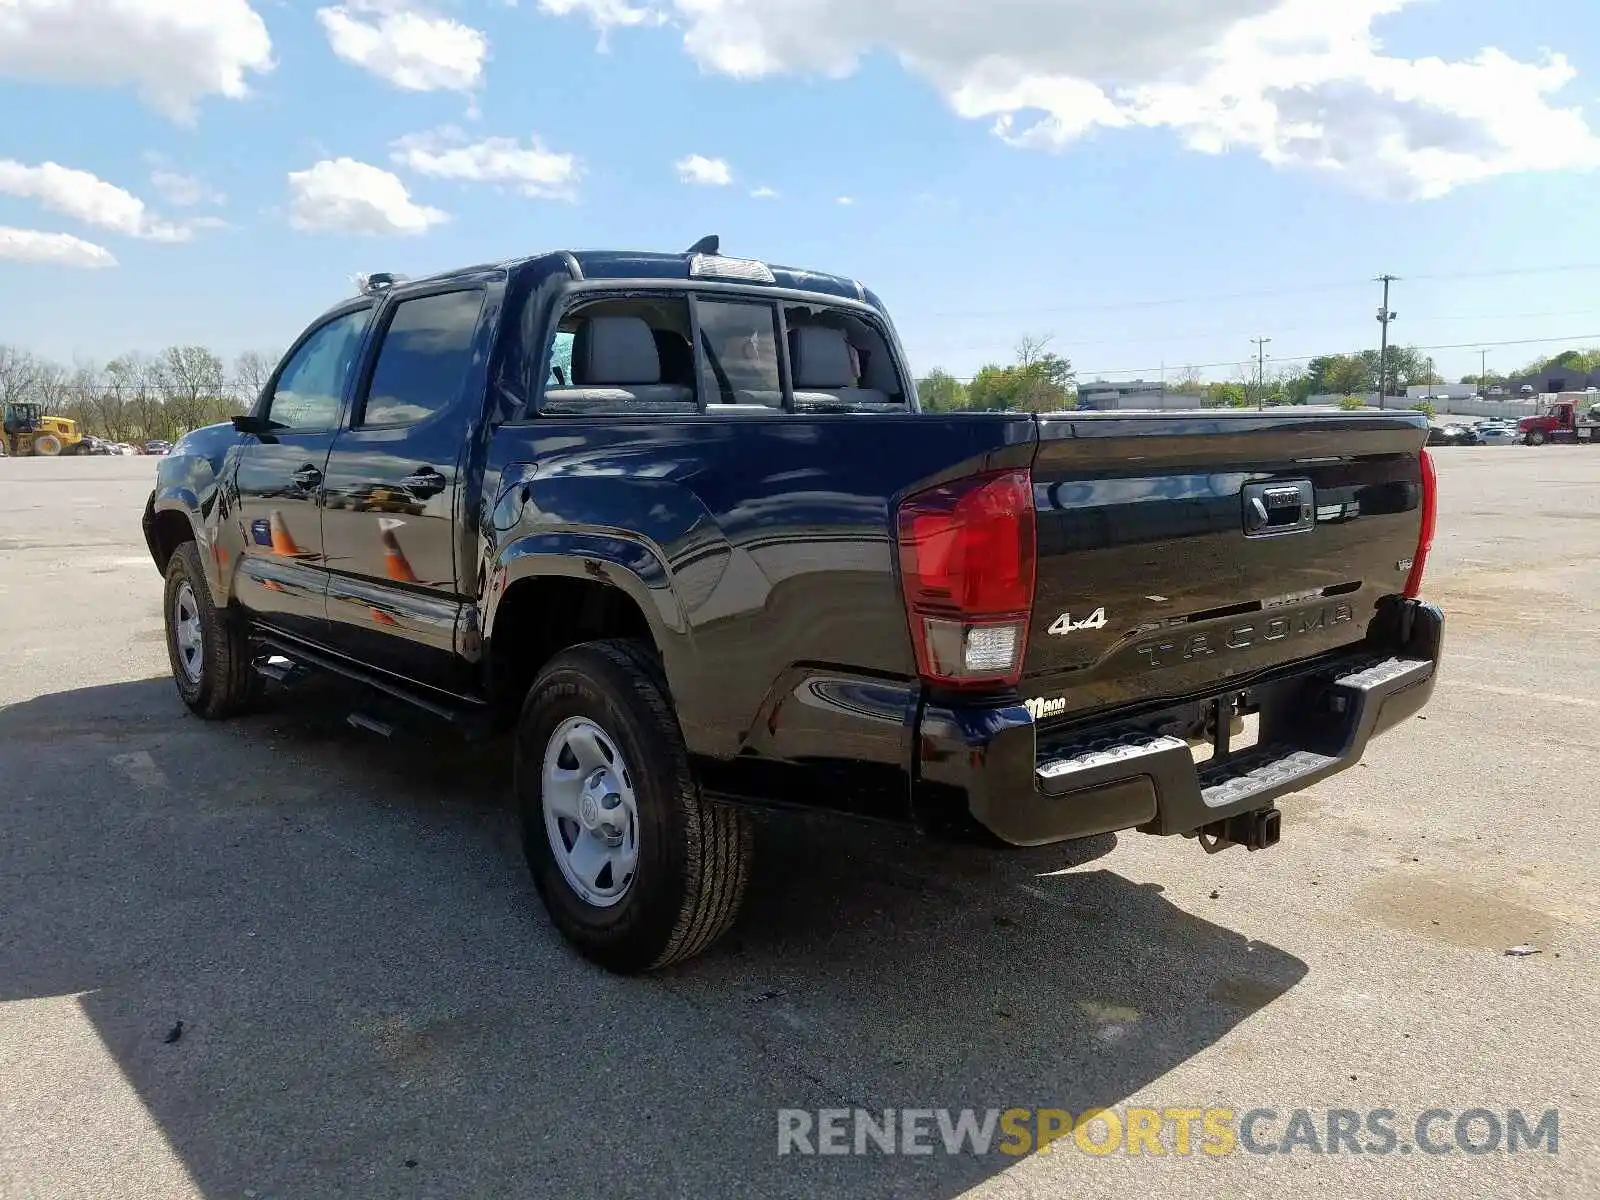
[(373, 1003)]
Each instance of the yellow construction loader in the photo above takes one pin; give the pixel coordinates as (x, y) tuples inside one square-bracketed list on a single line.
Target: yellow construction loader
[(29, 432)]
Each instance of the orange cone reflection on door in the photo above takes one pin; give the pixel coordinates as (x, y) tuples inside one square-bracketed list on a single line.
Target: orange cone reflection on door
[(282, 543), (395, 564)]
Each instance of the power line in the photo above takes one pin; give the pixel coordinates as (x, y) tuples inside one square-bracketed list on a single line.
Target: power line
[(1222, 333), (1123, 305), (1267, 293)]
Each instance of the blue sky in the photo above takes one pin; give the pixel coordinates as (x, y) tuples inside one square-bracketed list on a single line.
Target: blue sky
[(1149, 182)]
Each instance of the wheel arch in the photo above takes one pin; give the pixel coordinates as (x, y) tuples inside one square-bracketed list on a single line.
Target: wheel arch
[(550, 592), (182, 508)]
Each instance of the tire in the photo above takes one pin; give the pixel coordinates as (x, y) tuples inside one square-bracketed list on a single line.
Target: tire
[(1536, 438), (47, 444), (690, 856), (218, 681)]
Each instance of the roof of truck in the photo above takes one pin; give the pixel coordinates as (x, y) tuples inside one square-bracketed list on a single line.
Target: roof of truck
[(634, 264)]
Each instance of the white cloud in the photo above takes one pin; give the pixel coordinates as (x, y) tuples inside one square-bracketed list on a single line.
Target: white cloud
[(408, 48), (847, 201), (529, 167), (607, 14), (341, 195), (185, 191), (1302, 83), (86, 198), (175, 52), (765, 193), (704, 172), (62, 249)]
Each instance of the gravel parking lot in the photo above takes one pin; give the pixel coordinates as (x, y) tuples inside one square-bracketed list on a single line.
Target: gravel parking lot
[(374, 1005)]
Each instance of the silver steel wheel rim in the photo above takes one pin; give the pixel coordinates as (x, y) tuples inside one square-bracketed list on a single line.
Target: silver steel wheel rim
[(590, 814), (187, 636)]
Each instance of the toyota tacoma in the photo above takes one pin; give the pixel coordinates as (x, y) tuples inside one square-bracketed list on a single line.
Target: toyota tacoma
[(677, 522)]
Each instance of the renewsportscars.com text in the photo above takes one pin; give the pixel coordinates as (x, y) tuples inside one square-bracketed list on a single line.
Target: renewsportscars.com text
[(1167, 1131)]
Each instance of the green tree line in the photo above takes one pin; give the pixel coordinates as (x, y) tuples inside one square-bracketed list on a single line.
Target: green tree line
[(137, 397), (1585, 360), (1037, 381), (1040, 381)]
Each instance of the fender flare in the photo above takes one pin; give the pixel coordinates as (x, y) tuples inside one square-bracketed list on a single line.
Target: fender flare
[(188, 484), (628, 564)]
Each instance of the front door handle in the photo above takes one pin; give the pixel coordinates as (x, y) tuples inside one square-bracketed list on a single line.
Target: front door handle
[(307, 476), (424, 482)]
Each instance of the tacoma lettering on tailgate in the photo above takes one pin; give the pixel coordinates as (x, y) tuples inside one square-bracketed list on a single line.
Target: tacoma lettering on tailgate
[(1242, 637)]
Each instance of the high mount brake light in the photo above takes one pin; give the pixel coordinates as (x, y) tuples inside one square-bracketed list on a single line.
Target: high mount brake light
[(1430, 519), (967, 565)]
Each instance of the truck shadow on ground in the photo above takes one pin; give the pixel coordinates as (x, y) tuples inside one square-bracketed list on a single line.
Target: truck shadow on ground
[(375, 1005)]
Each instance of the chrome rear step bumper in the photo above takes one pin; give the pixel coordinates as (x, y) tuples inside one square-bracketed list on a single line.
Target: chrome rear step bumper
[(1137, 773)]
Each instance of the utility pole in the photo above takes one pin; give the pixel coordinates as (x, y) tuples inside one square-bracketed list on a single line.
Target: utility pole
[(1384, 317), (1261, 345), (1483, 371)]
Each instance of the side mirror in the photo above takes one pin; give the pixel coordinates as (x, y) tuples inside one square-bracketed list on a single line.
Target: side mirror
[(254, 425)]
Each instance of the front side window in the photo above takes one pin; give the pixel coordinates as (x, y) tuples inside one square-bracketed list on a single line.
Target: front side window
[(312, 383), (424, 359), (739, 353)]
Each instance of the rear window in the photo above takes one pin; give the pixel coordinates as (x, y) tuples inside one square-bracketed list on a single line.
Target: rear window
[(739, 353), (693, 351)]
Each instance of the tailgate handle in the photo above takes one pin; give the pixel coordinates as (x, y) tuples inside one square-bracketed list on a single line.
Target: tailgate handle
[(1275, 509)]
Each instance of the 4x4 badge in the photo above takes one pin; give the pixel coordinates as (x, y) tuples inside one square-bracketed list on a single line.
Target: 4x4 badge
[(1064, 624)]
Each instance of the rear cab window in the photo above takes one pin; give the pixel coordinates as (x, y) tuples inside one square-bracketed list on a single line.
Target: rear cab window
[(717, 351), (424, 358)]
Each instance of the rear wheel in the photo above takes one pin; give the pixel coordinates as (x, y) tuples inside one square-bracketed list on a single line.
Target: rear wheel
[(207, 645), (637, 869)]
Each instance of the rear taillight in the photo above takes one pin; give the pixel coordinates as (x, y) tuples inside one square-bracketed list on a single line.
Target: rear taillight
[(1430, 517), (967, 569)]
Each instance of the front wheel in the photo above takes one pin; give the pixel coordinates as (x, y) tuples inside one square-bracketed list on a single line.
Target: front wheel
[(1536, 438), (637, 869), (207, 645)]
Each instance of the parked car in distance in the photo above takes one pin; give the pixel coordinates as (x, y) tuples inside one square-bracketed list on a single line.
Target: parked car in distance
[(1497, 435), (158, 447), (1452, 435), (679, 521)]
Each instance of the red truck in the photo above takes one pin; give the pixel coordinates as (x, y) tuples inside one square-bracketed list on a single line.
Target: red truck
[(1569, 419)]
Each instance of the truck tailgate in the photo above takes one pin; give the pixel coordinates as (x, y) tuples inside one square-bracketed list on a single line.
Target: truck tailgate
[(1179, 553)]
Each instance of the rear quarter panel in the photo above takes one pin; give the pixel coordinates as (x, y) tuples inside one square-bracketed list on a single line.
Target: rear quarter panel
[(761, 550)]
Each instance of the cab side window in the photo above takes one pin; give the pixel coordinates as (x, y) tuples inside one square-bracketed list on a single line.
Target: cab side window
[(424, 359), (623, 355), (311, 385)]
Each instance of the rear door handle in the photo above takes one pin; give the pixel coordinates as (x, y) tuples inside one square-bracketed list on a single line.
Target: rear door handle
[(424, 482), (307, 476)]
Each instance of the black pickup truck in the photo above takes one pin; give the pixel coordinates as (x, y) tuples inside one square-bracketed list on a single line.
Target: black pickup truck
[(677, 520)]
